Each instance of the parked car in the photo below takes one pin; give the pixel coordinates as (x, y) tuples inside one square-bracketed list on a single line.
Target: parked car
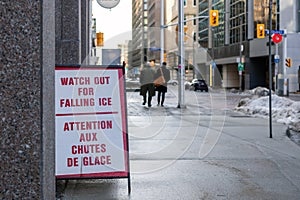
[(199, 84), (173, 82)]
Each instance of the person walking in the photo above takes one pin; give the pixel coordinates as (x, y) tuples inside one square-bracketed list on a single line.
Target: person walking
[(162, 89), (147, 86)]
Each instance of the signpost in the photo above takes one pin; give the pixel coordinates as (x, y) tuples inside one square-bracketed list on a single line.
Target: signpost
[(91, 123), (270, 69)]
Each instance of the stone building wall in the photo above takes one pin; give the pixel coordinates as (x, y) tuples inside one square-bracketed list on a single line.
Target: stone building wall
[(35, 35), (20, 93)]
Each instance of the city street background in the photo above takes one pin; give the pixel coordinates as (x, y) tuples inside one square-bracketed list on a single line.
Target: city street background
[(206, 151)]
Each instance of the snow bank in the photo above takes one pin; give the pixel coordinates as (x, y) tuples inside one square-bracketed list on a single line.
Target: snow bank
[(284, 110)]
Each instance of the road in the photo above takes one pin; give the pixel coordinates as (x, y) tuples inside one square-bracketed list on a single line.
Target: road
[(206, 151)]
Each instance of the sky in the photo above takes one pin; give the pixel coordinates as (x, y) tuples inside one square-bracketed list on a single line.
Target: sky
[(115, 23)]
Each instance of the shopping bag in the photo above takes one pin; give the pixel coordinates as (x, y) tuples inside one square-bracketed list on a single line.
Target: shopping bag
[(159, 81)]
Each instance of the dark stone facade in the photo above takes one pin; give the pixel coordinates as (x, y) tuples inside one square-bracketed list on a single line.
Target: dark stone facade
[(30, 46), (20, 113)]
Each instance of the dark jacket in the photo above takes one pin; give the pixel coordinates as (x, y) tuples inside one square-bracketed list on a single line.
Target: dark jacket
[(146, 80), (147, 75), (166, 74)]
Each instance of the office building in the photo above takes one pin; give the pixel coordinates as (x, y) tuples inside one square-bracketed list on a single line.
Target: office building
[(235, 40)]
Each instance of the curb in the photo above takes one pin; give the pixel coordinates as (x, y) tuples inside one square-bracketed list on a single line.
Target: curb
[(293, 135)]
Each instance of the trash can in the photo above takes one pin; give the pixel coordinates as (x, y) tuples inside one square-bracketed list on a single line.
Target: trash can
[(283, 86)]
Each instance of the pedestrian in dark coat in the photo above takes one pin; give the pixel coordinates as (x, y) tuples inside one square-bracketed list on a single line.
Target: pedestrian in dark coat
[(162, 89), (147, 86)]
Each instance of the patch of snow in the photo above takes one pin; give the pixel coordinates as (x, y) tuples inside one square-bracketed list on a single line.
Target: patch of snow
[(284, 110)]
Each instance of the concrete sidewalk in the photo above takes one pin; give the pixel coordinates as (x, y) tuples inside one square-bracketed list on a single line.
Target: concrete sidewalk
[(205, 151)]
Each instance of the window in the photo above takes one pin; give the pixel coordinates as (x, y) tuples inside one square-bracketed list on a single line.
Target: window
[(195, 3)]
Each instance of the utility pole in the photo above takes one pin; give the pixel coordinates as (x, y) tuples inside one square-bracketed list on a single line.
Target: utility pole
[(181, 56), (241, 49), (270, 67), (162, 36), (181, 66), (213, 58)]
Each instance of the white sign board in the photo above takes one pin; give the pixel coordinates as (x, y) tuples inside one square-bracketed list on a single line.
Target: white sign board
[(91, 124)]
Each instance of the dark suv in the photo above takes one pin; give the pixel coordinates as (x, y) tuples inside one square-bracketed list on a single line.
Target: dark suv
[(199, 84)]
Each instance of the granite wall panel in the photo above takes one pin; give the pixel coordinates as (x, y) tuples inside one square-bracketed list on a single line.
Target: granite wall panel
[(68, 39), (34, 36), (20, 113)]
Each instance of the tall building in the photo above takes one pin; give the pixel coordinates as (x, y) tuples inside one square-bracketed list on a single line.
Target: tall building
[(235, 40), (190, 34), (154, 20), (139, 32)]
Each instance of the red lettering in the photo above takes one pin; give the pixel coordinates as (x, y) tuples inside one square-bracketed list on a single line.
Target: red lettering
[(97, 160), (64, 81), (85, 91), (105, 101), (72, 162), (88, 137), (108, 160), (89, 148), (75, 81), (103, 148), (74, 149), (66, 127), (94, 137), (82, 138), (101, 80)]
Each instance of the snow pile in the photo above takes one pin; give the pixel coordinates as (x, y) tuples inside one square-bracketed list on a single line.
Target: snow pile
[(284, 110)]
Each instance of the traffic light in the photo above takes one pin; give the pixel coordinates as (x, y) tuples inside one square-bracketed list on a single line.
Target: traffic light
[(260, 31), (185, 31), (165, 57), (288, 62), (185, 28), (214, 17), (100, 39)]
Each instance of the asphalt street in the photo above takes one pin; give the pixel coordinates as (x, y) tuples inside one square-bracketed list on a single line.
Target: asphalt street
[(203, 151)]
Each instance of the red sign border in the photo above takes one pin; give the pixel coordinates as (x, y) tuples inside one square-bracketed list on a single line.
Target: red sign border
[(120, 174)]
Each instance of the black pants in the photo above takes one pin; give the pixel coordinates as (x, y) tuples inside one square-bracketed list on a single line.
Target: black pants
[(149, 98), (162, 97)]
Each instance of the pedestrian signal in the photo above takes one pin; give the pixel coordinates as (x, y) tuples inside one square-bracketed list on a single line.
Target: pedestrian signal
[(288, 62), (214, 17), (260, 31)]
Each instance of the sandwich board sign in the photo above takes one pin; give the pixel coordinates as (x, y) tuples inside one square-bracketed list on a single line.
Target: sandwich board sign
[(91, 138)]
